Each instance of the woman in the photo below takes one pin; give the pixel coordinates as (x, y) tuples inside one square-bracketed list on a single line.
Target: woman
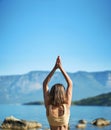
[(57, 100)]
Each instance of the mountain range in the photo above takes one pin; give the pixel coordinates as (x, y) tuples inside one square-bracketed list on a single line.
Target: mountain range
[(28, 87)]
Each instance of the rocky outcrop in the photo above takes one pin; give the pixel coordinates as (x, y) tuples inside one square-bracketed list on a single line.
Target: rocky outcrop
[(17, 124), (101, 122)]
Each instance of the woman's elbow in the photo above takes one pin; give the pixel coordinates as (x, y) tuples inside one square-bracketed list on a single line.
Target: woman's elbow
[(71, 83)]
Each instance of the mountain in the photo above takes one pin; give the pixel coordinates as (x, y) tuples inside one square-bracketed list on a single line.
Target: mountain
[(100, 100), (28, 87)]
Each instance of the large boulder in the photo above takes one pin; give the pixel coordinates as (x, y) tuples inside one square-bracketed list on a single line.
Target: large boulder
[(17, 124), (101, 122)]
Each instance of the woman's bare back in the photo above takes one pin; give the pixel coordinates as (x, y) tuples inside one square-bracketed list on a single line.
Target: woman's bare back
[(57, 112)]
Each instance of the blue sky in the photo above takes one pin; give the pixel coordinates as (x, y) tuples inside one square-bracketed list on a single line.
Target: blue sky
[(34, 32)]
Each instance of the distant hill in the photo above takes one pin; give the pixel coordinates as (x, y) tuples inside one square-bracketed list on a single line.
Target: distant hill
[(100, 100), (34, 103), (28, 87)]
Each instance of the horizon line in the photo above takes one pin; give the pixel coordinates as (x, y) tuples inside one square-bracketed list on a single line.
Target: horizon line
[(55, 72)]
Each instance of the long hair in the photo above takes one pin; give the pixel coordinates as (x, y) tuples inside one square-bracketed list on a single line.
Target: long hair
[(57, 95)]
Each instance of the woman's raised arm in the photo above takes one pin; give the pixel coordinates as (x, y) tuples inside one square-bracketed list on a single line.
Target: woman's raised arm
[(69, 83), (45, 84)]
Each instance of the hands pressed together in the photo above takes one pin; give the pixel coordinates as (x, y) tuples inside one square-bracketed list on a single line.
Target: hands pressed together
[(58, 63)]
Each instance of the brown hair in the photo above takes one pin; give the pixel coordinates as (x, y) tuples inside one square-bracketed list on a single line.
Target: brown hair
[(57, 95)]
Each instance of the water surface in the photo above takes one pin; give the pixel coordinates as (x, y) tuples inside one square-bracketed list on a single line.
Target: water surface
[(37, 113)]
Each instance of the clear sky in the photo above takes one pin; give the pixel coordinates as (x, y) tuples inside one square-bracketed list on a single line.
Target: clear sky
[(34, 32)]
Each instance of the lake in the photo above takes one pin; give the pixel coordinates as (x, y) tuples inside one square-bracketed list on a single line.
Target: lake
[(37, 113)]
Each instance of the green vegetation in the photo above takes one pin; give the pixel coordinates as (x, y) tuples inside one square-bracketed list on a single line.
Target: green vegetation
[(100, 100)]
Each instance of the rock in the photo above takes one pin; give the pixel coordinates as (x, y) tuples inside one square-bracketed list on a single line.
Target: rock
[(81, 124), (17, 124), (82, 121), (32, 124), (100, 122)]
